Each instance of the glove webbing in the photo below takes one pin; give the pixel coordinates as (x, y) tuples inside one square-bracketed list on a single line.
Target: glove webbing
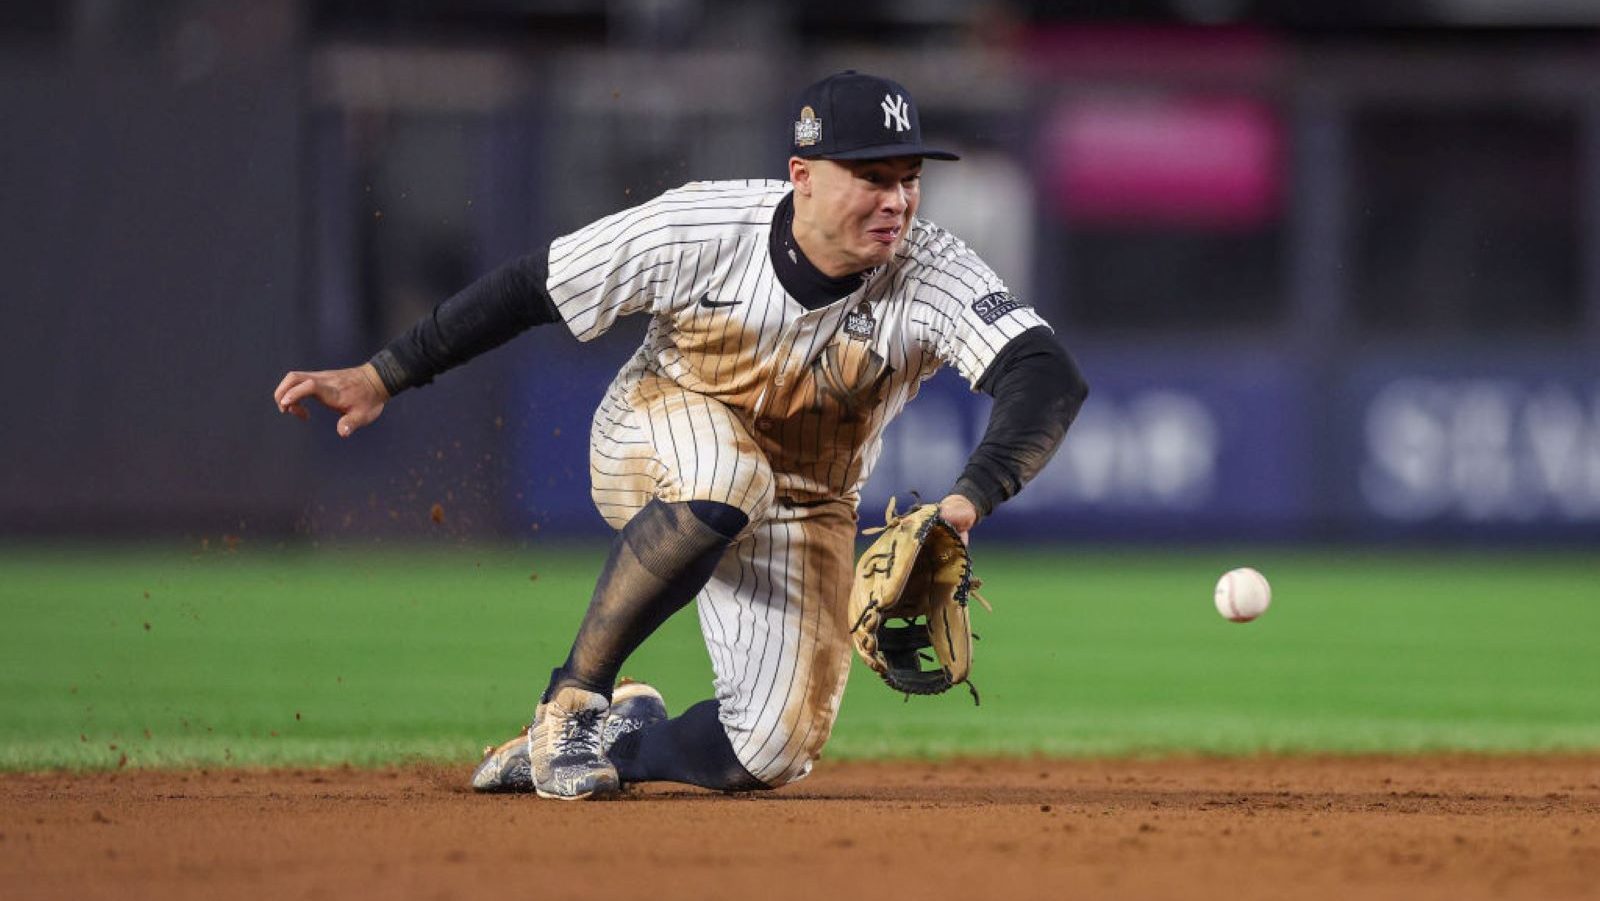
[(902, 647)]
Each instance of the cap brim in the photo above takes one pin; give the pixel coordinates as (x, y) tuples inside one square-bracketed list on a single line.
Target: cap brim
[(886, 151)]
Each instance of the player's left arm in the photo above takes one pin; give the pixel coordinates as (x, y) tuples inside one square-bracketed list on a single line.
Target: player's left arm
[(1000, 344), (1037, 390)]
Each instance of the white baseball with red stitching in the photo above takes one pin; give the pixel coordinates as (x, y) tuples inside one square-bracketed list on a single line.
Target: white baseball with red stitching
[(1242, 594)]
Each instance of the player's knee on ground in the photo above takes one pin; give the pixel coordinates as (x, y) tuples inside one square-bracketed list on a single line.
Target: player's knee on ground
[(777, 756), (692, 748)]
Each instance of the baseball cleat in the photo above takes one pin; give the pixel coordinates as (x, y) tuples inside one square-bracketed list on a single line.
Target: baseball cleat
[(634, 705), (564, 753), (505, 768)]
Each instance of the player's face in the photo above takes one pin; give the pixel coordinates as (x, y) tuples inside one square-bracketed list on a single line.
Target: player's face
[(858, 211)]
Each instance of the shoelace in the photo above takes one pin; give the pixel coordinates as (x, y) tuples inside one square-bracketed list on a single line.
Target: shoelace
[(580, 732)]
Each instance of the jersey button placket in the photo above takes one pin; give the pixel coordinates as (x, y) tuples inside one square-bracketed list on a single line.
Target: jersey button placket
[(780, 359)]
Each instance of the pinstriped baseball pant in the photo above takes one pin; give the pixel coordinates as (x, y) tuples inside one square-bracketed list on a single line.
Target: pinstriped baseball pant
[(774, 613)]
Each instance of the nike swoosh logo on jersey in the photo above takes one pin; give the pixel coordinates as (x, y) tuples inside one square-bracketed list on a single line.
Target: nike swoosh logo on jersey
[(710, 304)]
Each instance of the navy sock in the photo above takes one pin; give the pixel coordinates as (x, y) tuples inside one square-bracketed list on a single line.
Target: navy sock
[(658, 563), (692, 748)]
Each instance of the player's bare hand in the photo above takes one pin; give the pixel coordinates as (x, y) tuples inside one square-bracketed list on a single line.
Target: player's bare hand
[(960, 513), (357, 394)]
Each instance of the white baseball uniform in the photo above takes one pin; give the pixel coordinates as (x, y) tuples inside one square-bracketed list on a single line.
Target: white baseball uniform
[(740, 394)]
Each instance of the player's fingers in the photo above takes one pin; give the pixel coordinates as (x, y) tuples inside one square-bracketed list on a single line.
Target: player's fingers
[(297, 392), (285, 384), (960, 514), (281, 396)]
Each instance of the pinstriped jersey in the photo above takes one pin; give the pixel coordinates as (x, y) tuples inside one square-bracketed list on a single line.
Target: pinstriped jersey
[(815, 387)]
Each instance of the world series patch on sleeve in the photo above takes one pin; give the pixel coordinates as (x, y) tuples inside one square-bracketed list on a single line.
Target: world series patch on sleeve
[(919, 573)]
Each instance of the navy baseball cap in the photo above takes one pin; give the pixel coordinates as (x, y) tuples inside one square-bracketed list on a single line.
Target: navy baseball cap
[(852, 116)]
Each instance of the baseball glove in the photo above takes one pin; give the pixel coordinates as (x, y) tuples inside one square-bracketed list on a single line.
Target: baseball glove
[(917, 572)]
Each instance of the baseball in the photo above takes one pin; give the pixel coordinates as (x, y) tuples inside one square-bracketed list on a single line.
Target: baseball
[(1242, 594)]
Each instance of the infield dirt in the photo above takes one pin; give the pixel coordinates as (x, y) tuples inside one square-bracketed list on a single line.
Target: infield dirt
[(1296, 827)]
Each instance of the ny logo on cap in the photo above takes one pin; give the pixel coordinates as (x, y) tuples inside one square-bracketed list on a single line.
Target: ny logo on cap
[(896, 112)]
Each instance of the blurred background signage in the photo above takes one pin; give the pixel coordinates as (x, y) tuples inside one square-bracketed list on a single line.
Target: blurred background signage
[(1328, 278)]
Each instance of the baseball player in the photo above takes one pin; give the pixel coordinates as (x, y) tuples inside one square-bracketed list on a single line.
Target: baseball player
[(789, 323)]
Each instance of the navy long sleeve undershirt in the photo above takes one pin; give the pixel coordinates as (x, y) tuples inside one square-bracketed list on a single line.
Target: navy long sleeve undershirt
[(1037, 391), (477, 319)]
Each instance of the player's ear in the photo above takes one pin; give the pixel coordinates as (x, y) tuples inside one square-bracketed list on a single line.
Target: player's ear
[(800, 175)]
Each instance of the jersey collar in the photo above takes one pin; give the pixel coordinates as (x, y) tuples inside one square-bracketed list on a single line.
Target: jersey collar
[(807, 284)]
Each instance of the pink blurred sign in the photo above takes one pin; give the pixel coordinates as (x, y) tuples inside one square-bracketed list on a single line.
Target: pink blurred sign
[(1166, 160)]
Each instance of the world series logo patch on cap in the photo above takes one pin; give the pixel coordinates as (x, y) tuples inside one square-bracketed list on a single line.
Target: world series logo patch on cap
[(808, 130)]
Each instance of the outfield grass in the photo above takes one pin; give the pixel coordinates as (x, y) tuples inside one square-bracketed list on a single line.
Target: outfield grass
[(154, 656)]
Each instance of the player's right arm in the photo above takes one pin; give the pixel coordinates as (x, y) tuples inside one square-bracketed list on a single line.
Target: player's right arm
[(475, 320), (484, 315), (587, 279)]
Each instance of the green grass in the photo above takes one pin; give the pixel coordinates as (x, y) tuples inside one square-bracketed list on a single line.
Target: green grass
[(173, 657)]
